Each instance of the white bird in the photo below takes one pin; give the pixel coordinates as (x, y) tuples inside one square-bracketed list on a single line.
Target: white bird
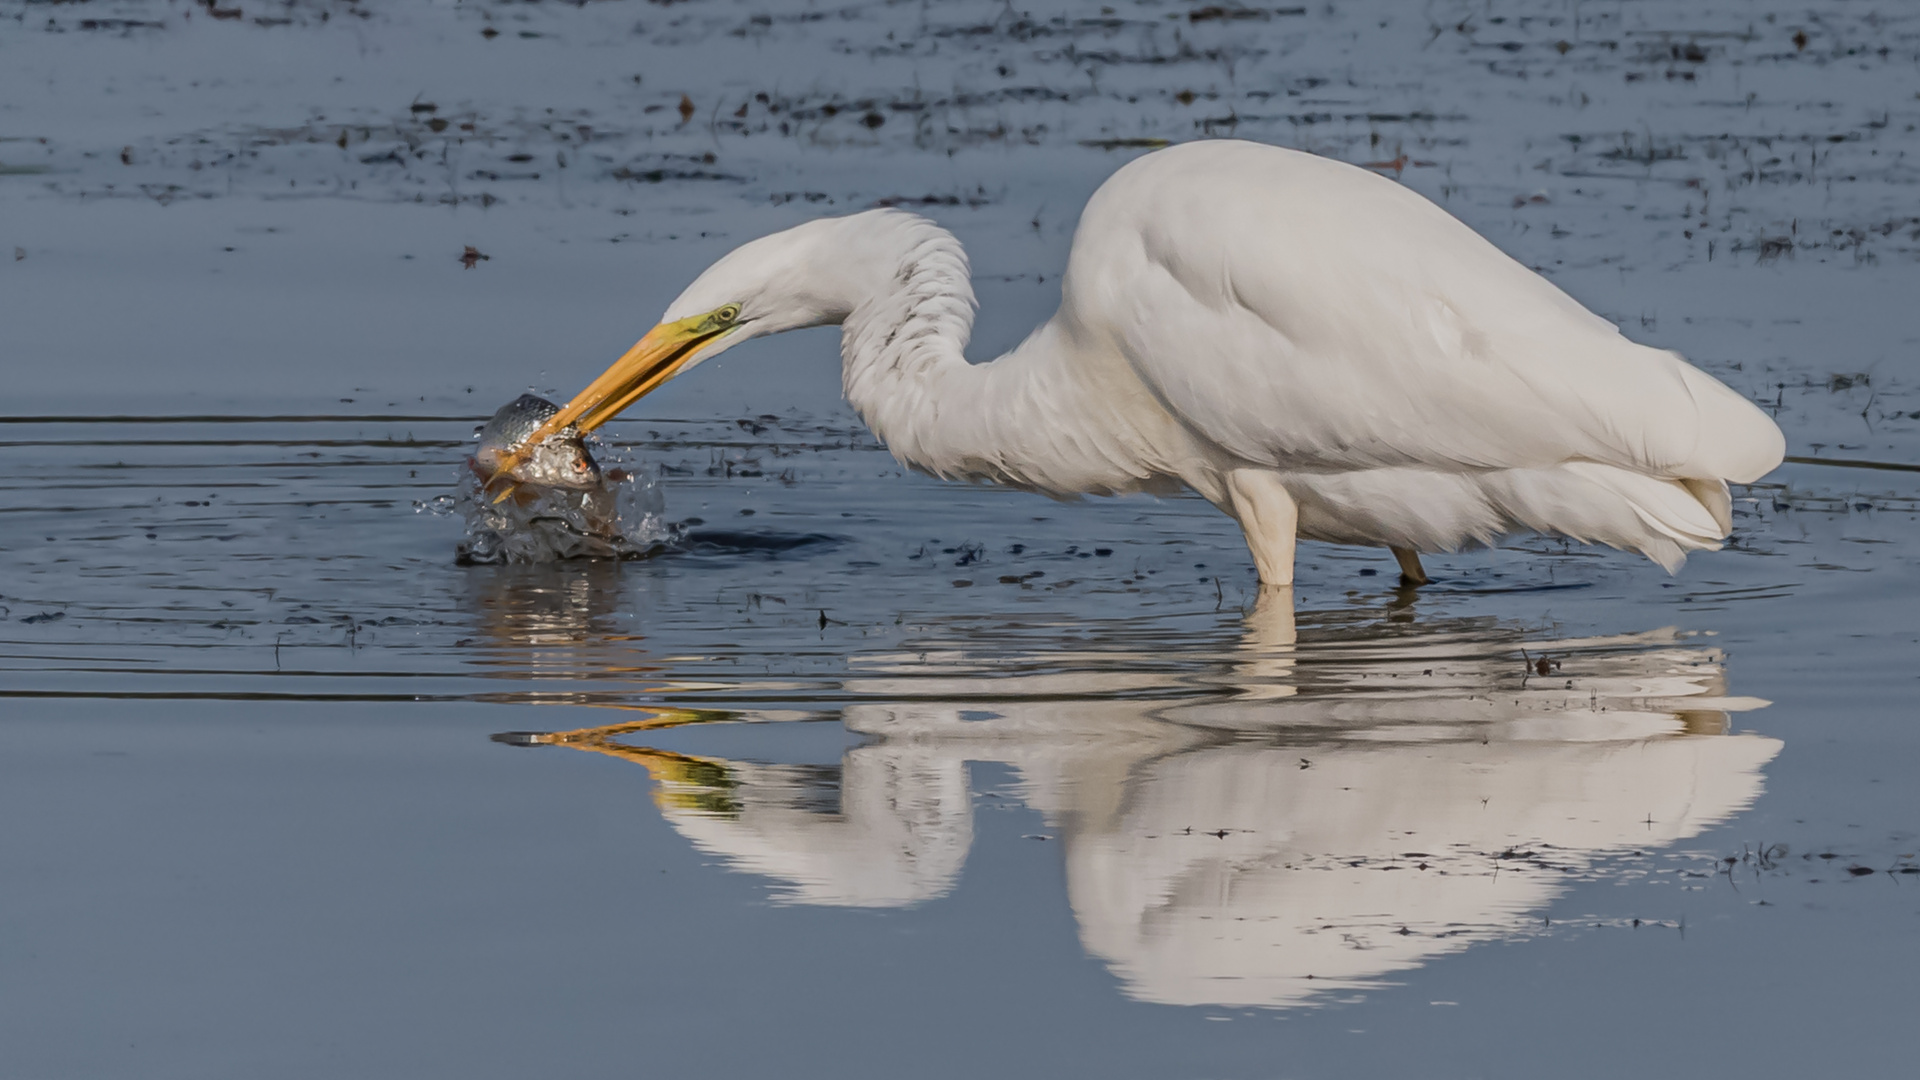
[(1318, 351)]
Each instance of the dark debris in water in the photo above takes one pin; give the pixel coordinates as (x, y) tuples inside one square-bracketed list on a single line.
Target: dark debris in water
[(749, 542), (1728, 172)]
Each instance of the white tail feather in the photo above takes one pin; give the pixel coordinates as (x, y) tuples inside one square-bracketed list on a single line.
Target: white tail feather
[(1603, 504)]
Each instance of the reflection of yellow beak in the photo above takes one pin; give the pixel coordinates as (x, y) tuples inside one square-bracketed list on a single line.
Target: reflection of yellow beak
[(697, 784), (653, 360)]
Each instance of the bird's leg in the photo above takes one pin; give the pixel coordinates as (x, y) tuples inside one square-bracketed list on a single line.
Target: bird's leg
[(1270, 519), (1412, 574)]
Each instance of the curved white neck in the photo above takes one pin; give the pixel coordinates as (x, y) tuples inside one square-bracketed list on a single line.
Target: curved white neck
[(1048, 416), (903, 344)]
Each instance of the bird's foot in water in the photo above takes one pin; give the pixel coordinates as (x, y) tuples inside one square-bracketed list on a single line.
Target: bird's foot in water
[(1412, 574)]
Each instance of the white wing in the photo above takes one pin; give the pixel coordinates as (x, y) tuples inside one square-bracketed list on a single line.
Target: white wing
[(1309, 315)]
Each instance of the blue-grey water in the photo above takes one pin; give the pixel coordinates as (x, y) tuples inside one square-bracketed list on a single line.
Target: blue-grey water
[(870, 775)]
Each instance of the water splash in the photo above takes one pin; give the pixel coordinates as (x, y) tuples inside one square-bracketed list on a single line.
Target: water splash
[(621, 517)]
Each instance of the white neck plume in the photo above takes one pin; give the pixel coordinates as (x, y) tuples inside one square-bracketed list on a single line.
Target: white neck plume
[(903, 345)]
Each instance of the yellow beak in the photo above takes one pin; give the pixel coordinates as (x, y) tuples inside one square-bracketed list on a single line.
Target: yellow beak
[(653, 360)]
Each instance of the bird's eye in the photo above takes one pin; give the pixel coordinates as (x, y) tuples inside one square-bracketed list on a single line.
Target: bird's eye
[(727, 314)]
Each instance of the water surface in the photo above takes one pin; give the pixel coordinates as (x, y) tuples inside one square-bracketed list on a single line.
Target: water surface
[(872, 775)]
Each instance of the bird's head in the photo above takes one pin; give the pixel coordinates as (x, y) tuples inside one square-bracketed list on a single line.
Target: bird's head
[(797, 278)]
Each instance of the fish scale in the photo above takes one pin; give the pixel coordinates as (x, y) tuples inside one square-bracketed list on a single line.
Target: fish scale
[(562, 460)]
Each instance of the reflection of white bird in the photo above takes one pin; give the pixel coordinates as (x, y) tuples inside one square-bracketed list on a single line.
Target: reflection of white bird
[(1315, 349), (1312, 888), (890, 828), (1226, 845)]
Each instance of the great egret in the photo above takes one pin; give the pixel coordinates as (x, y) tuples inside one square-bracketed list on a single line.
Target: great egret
[(1316, 350)]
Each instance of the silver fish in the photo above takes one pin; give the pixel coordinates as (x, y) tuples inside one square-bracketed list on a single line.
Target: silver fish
[(562, 461)]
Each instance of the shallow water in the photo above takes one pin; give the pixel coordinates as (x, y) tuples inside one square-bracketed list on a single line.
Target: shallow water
[(882, 776)]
